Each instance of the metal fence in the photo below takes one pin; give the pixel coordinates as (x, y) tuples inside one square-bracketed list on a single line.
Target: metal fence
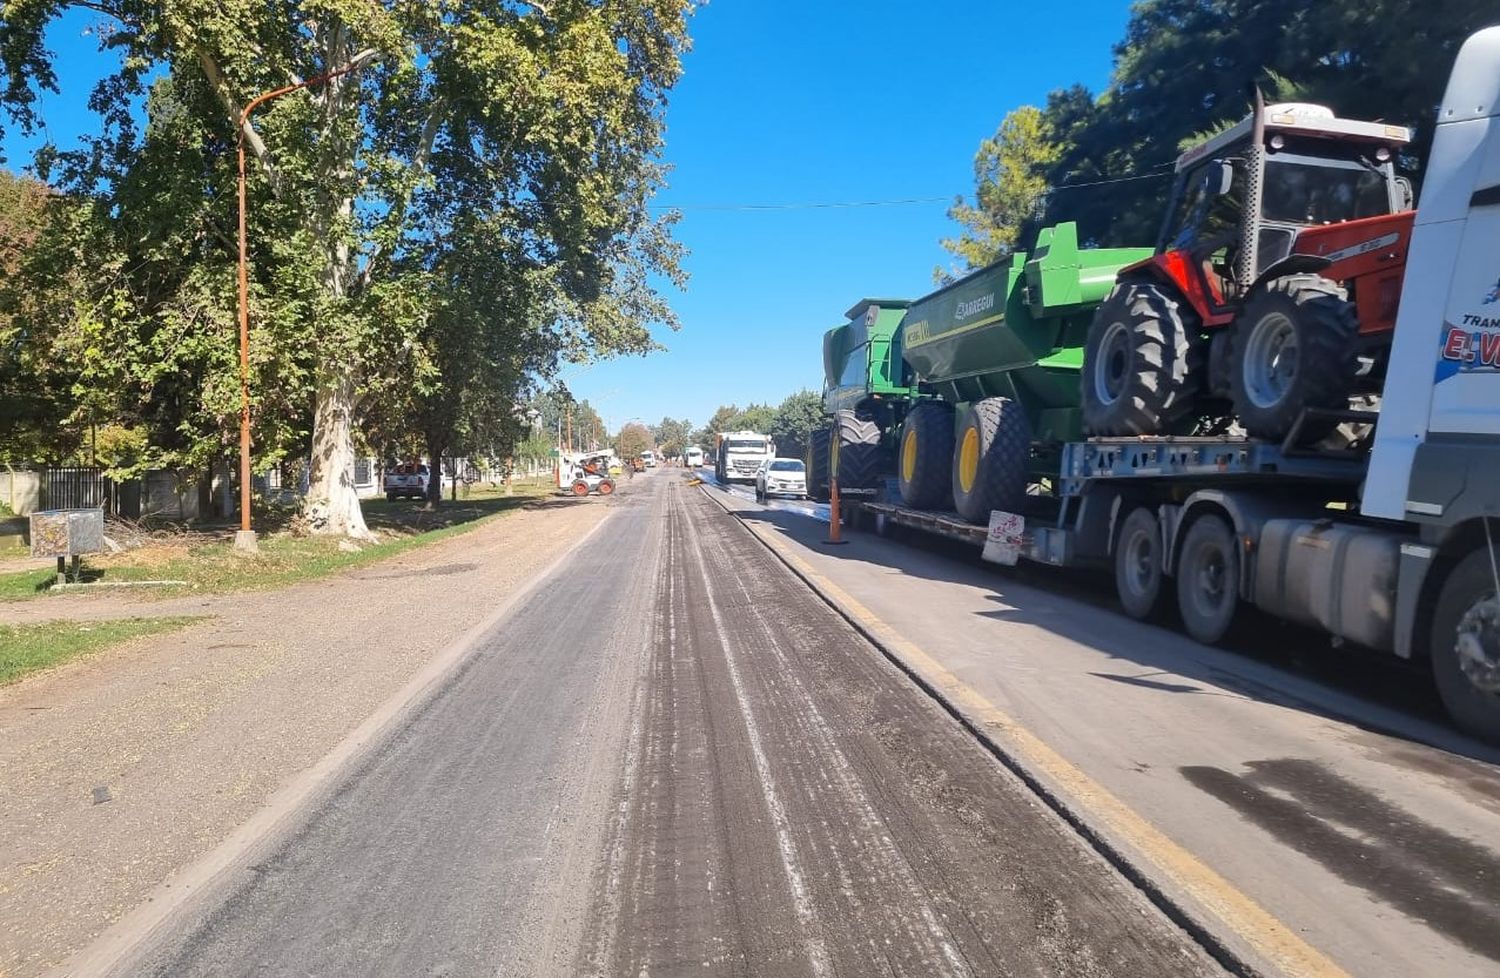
[(76, 488)]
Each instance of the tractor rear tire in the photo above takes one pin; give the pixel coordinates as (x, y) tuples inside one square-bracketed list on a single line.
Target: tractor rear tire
[(990, 451), (925, 471), (1312, 319), (859, 451), (817, 465), (1143, 363)]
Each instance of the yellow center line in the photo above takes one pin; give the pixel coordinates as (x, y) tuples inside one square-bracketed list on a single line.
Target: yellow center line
[(1095, 805)]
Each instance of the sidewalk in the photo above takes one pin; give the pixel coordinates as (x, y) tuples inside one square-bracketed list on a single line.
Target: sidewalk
[(118, 769)]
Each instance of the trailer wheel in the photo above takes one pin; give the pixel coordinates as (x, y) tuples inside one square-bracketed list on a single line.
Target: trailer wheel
[(926, 469), (1142, 363), (989, 459), (1293, 346), (859, 451), (1465, 647), (1208, 578), (1138, 574)]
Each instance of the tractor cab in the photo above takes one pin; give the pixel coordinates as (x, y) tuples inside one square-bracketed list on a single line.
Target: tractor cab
[(1270, 301), (1291, 183)]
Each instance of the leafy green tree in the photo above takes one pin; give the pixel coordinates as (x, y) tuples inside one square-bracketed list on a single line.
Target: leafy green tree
[(1010, 176), (633, 439), (756, 417), (725, 418), (672, 435), (541, 122), (795, 419)]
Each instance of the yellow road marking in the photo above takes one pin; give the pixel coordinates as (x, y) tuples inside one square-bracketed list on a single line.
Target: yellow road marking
[(1268, 936)]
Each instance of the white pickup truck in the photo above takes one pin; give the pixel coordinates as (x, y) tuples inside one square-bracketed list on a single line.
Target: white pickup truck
[(408, 480)]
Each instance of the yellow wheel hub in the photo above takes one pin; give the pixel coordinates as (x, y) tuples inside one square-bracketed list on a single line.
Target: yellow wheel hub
[(909, 455), (968, 460)]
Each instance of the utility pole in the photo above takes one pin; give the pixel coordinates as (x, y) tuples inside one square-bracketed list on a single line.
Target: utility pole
[(245, 538)]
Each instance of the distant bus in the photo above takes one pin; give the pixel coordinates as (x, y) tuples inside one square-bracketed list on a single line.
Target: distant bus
[(693, 457)]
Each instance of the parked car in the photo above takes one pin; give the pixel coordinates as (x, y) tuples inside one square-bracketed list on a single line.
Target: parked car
[(408, 480), (781, 477)]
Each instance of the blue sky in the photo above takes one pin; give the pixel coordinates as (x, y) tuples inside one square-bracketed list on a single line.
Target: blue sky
[(794, 102), (812, 101)]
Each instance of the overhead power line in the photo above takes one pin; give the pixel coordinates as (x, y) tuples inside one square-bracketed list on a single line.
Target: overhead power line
[(895, 201)]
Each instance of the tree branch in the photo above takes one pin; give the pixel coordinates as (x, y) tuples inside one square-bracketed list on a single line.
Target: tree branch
[(419, 158), (252, 138)]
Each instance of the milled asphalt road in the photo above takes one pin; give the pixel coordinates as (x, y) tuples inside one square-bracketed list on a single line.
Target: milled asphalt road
[(1314, 782), (675, 759)]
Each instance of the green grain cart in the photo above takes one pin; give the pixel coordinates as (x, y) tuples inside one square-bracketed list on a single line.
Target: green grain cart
[(969, 392)]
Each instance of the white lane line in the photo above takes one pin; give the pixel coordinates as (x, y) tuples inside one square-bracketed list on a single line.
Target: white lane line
[(817, 953)]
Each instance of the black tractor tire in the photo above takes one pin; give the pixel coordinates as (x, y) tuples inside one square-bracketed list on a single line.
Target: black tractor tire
[(817, 464), (1470, 584), (995, 429), (924, 463), (859, 451), (1208, 579), (1143, 363), (1318, 319), (1139, 580)]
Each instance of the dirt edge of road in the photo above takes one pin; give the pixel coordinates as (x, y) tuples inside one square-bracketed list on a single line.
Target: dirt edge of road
[(196, 888), (1165, 895)]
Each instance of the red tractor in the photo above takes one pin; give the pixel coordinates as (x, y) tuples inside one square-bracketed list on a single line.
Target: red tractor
[(1273, 291)]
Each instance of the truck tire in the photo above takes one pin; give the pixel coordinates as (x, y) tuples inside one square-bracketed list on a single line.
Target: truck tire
[(1208, 579), (1143, 363), (1468, 609), (990, 450), (1138, 565), (925, 471), (859, 451), (1293, 346), (817, 465)]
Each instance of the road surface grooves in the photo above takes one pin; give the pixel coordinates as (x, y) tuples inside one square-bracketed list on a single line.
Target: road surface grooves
[(465, 845), (793, 805)]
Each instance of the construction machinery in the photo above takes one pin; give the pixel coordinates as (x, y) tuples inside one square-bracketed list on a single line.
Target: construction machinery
[(1272, 293), (582, 473)]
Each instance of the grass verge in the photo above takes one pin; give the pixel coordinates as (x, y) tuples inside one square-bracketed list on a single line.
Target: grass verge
[(28, 648), (214, 566)]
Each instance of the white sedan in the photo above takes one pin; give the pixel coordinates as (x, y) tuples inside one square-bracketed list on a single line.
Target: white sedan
[(781, 477)]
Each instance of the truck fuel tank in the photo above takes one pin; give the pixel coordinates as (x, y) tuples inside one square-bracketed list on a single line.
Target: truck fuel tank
[(1337, 576)]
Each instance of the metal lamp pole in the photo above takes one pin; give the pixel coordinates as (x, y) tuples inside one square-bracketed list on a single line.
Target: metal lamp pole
[(245, 538)]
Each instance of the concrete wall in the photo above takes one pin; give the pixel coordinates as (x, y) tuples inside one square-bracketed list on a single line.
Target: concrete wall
[(169, 496), (21, 490)]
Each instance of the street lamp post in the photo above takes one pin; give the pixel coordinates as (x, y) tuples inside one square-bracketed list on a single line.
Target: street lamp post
[(244, 539)]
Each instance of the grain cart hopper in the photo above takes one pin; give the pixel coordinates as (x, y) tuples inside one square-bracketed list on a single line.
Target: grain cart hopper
[(1001, 352)]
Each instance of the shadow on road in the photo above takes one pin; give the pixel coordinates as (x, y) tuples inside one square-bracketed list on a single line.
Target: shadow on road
[(1273, 662)]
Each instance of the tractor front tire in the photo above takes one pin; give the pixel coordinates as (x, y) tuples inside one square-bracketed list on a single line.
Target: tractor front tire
[(859, 451), (925, 469), (1293, 347), (1143, 363), (817, 464), (990, 451)]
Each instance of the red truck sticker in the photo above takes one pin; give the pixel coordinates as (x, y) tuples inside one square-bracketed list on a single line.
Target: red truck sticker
[(1472, 345)]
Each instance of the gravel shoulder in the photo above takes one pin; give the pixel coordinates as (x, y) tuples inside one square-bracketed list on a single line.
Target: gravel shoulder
[(120, 768)]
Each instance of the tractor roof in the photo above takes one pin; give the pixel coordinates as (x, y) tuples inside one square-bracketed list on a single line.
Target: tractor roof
[(1303, 119)]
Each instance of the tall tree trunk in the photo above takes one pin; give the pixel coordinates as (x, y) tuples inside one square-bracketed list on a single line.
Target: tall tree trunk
[(435, 448), (332, 504)]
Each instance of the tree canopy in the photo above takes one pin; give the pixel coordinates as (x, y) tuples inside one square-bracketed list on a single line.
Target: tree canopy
[(1184, 68), (430, 233)]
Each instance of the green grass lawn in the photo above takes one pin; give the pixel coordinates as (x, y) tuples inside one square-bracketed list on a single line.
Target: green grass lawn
[(284, 558), (27, 648)]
